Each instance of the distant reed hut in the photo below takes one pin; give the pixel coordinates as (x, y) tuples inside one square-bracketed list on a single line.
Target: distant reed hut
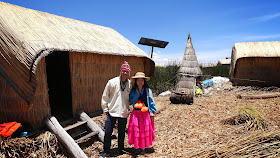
[(187, 76), (51, 65), (224, 62), (255, 63)]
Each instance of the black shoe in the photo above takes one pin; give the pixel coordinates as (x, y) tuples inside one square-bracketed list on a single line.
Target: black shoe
[(120, 152), (143, 152), (103, 155), (138, 151)]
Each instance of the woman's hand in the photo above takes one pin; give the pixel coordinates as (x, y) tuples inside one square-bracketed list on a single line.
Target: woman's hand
[(152, 118)]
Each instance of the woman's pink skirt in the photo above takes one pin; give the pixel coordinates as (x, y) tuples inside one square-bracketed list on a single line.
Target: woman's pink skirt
[(141, 131)]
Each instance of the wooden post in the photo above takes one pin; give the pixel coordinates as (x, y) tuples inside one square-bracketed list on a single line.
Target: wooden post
[(64, 137), (92, 125), (259, 96)]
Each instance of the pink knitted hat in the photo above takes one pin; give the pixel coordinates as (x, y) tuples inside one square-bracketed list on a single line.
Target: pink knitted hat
[(125, 66)]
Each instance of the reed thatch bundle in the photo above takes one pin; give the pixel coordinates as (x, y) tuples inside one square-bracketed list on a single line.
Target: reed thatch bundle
[(255, 63), (28, 35), (258, 144), (253, 118), (186, 77), (44, 145)]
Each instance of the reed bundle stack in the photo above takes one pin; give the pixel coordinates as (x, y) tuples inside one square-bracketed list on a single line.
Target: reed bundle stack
[(187, 76)]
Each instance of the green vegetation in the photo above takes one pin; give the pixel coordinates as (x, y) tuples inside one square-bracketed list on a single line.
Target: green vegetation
[(219, 70), (165, 77)]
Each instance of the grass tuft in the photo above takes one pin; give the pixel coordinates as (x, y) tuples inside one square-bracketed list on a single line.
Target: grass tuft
[(254, 118)]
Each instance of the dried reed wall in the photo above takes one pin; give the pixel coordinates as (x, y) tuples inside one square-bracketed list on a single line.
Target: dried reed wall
[(89, 75), (39, 108), (258, 71), (14, 108), (90, 72), (185, 85)]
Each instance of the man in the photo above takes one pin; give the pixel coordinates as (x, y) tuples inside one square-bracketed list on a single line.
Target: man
[(115, 104)]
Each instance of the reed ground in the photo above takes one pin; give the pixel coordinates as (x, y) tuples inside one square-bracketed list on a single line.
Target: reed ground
[(187, 130), (196, 130)]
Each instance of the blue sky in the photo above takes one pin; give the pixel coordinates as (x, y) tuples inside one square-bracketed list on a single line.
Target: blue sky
[(214, 25)]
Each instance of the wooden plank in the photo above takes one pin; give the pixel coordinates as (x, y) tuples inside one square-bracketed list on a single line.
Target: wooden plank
[(64, 137), (92, 125), (79, 133), (87, 136), (75, 125), (67, 122), (259, 96)]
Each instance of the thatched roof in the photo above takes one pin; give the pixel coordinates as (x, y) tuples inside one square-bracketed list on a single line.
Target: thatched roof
[(254, 49), (188, 71), (27, 35), (190, 66), (224, 61)]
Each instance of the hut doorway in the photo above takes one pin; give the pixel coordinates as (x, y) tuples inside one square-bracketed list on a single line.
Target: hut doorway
[(59, 84)]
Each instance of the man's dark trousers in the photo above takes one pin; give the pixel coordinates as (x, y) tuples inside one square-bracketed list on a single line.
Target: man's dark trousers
[(109, 125)]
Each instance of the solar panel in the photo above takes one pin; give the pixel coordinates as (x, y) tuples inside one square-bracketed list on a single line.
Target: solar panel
[(153, 42)]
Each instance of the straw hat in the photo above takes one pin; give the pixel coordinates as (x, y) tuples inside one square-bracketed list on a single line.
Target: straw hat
[(140, 75)]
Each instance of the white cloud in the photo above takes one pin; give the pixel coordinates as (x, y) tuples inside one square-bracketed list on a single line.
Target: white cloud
[(165, 59), (265, 18), (212, 56), (159, 57), (202, 56)]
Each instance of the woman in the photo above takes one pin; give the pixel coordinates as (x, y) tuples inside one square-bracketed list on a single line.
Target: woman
[(141, 131)]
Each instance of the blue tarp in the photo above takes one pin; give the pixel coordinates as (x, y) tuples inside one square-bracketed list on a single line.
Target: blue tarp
[(207, 83)]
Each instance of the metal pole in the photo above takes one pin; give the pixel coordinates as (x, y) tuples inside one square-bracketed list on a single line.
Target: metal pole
[(152, 52)]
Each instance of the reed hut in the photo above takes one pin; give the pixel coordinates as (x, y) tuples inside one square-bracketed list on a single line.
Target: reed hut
[(255, 63), (224, 62), (56, 66), (187, 76)]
